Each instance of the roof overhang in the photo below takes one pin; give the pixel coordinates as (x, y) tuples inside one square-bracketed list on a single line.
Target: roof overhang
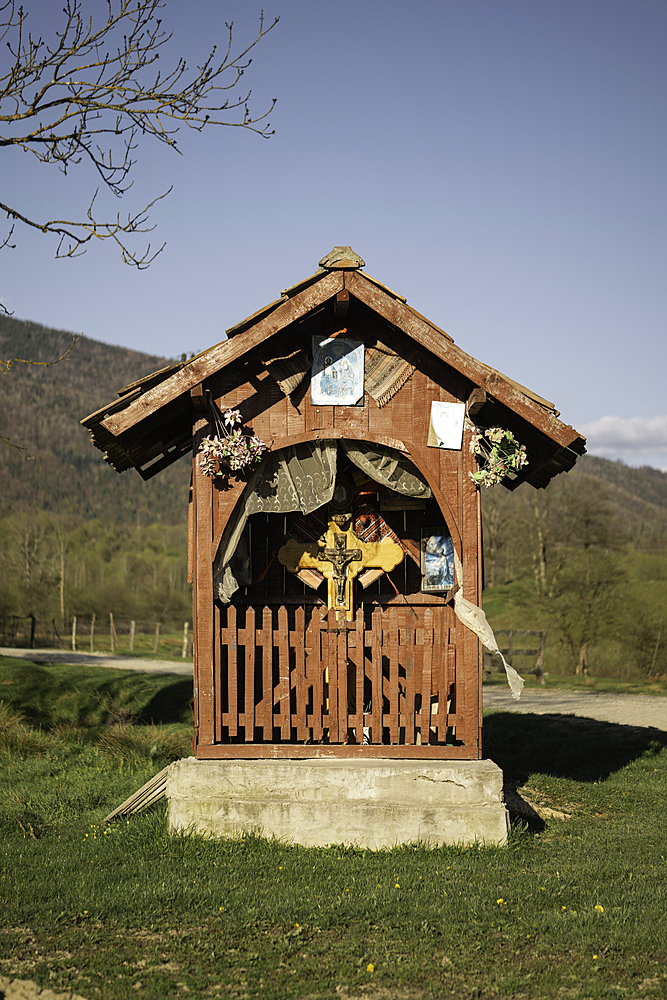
[(149, 426)]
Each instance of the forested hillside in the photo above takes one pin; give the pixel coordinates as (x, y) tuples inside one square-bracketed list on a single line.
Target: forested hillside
[(585, 559), (40, 410), (76, 537)]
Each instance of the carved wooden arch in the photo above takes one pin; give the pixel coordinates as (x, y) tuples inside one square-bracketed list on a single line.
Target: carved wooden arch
[(232, 496)]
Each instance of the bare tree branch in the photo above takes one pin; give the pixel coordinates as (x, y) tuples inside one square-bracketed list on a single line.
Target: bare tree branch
[(4, 369), (92, 92), (6, 365)]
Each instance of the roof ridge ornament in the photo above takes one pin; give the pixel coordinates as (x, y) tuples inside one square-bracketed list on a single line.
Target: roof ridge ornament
[(342, 259)]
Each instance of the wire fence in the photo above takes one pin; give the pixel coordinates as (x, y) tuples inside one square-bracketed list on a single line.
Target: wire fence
[(97, 634)]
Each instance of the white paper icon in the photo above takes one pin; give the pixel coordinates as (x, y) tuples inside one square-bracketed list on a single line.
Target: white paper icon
[(446, 426)]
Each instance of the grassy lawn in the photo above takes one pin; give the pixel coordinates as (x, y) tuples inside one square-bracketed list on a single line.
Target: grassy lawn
[(573, 907)]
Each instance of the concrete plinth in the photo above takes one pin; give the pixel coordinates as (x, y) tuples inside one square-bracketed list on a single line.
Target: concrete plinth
[(372, 804)]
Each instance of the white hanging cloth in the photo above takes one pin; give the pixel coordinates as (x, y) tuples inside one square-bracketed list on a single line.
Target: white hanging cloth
[(475, 619)]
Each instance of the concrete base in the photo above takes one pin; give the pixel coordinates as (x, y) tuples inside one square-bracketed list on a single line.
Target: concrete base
[(373, 804)]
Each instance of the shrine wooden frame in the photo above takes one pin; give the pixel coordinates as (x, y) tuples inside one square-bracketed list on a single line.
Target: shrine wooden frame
[(211, 509)]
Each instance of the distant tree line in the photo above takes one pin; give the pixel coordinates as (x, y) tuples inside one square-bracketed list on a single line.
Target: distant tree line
[(568, 560), (55, 567)]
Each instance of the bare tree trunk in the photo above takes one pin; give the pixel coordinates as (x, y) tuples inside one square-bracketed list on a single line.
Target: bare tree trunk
[(582, 665), (62, 580), (540, 553)]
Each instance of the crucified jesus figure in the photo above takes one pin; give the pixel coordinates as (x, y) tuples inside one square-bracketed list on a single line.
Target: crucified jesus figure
[(340, 557)]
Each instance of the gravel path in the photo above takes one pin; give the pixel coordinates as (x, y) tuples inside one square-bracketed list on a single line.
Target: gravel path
[(138, 664), (625, 709), (25, 989)]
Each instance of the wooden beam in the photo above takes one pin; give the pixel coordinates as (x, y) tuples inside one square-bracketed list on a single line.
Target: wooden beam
[(225, 353), (341, 303), (332, 751), (479, 374), (476, 401), (198, 398)]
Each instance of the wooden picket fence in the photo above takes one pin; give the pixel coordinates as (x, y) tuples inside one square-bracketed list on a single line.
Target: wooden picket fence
[(305, 675)]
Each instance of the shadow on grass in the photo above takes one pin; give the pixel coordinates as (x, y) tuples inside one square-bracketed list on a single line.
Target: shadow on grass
[(54, 694), (564, 746), (172, 703)]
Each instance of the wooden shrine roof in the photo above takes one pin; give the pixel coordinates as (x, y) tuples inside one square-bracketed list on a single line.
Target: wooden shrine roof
[(149, 425)]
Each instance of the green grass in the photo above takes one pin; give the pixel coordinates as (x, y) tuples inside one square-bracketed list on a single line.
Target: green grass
[(576, 908), (57, 694)]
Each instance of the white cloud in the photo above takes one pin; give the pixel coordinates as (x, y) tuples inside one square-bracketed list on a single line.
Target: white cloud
[(633, 440)]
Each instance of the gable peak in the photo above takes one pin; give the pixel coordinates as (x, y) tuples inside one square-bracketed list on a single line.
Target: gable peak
[(343, 259)]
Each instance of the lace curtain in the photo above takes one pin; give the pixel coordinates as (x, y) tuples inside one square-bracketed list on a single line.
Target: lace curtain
[(301, 477), (387, 467)]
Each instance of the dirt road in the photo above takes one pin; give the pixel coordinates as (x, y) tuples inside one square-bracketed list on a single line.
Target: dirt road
[(139, 665), (625, 709)]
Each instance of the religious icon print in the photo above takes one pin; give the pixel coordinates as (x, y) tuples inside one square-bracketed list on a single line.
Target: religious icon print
[(437, 560), (338, 371)]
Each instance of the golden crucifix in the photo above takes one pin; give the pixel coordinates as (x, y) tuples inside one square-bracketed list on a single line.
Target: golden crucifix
[(340, 556)]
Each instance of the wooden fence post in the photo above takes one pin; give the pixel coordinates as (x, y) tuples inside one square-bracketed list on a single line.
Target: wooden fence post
[(33, 629), (74, 633), (156, 644), (184, 651), (132, 628), (92, 633), (539, 666), (112, 633), (56, 633)]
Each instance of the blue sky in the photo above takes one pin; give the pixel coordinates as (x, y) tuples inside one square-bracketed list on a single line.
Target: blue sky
[(502, 164)]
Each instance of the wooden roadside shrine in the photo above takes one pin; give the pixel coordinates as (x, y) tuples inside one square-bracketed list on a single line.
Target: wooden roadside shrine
[(325, 577)]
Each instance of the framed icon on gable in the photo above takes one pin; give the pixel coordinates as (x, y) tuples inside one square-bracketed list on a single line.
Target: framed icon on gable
[(338, 371)]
